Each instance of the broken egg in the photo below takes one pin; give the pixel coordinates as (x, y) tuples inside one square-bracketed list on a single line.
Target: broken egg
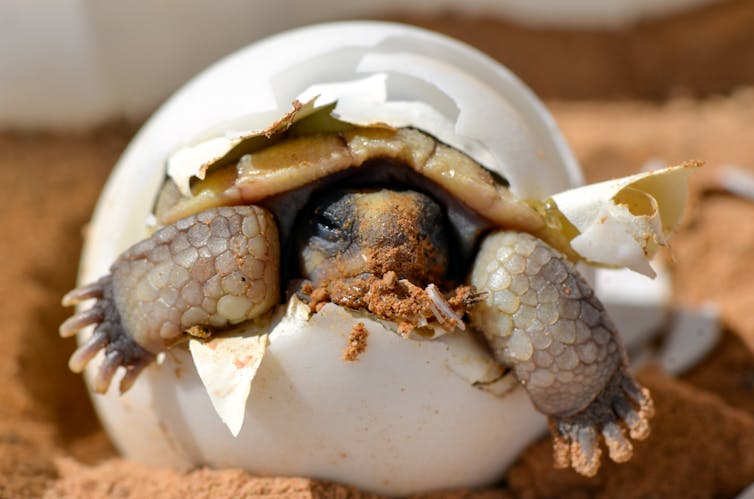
[(276, 396)]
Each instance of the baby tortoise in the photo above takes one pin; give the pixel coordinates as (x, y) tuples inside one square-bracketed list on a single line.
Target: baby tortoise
[(342, 216)]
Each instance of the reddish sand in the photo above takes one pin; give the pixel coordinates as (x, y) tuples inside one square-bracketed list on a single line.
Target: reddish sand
[(51, 443)]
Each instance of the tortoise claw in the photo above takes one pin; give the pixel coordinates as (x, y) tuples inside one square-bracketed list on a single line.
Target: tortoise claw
[(109, 335), (92, 290), (75, 323), (622, 405), (87, 351), (576, 446), (132, 373)]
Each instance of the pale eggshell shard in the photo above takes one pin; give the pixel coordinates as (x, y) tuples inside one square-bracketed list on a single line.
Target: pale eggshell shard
[(621, 222), (693, 332), (468, 360), (227, 367), (737, 181), (194, 160), (191, 161), (639, 305), (748, 493)]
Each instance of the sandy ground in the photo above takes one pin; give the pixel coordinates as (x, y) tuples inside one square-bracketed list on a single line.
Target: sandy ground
[(701, 52), (52, 445)]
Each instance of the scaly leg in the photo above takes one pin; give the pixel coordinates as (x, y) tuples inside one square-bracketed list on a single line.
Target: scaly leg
[(542, 319), (204, 272)]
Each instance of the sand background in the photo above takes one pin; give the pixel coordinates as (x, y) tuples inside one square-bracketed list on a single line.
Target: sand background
[(670, 90)]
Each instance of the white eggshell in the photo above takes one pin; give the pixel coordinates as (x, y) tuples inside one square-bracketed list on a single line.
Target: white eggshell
[(622, 221), (397, 421)]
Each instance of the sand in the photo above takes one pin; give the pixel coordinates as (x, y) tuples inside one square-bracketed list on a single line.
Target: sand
[(701, 52), (52, 445)]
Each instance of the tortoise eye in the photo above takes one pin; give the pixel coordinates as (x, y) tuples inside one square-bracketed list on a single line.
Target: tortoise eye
[(327, 228), (326, 222)]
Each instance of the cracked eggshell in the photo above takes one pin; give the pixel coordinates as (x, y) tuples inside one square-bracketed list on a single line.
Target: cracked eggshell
[(621, 222), (403, 418)]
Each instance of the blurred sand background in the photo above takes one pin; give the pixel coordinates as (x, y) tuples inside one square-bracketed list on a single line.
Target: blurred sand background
[(673, 89)]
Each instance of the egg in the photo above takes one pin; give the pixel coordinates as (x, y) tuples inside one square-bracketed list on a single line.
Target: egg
[(402, 415)]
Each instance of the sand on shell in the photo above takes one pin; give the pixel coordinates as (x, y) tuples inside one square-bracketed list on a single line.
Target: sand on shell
[(52, 445)]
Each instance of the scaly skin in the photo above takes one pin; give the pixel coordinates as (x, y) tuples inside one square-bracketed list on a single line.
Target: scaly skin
[(543, 320), (204, 272)]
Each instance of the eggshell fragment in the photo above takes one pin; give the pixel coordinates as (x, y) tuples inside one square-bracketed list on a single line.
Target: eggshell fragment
[(637, 304), (621, 222), (737, 181), (195, 160), (693, 333), (226, 367)]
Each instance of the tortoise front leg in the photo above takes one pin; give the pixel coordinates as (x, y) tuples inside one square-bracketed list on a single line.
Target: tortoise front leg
[(542, 319), (204, 272)]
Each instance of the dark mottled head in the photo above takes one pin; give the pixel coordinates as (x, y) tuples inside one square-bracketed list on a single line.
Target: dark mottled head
[(370, 232)]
